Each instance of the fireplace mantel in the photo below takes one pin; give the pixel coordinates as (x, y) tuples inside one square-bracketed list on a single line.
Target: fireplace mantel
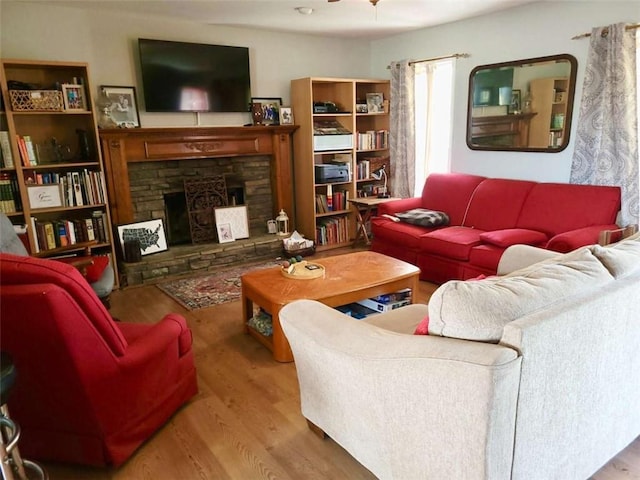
[(123, 146)]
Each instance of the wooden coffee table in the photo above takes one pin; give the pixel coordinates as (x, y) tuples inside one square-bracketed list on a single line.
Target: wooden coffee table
[(348, 278)]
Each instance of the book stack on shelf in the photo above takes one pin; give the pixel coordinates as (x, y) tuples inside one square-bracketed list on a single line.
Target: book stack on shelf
[(332, 201), (5, 150), (332, 230), (66, 189), (52, 234), (9, 194), (372, 140)]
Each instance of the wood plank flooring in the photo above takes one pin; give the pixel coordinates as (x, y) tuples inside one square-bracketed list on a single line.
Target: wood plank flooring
[(245, 422)]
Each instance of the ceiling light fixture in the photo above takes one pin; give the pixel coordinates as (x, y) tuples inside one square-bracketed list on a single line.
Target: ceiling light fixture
[(305, 10), (372, 2)]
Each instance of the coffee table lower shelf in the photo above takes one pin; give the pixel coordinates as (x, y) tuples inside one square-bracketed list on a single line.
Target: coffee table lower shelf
[(348, 278)]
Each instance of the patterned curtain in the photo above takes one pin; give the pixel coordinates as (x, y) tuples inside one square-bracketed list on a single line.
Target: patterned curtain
[(402, 135), (606, 151)]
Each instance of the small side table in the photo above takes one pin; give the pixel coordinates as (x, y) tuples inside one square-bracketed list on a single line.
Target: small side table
[(364, 208)]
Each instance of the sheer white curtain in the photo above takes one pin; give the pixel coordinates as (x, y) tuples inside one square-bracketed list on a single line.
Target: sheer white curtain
[(433, 116), (606, 151)]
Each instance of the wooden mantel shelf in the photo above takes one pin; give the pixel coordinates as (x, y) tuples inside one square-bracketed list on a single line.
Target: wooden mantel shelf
[(498, 125), (123, 146)]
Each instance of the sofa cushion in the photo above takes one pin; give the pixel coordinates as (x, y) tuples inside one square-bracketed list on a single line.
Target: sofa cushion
[(423, 217), (486, 256), (496, 203), (621, 259), (511, 236), (480, 310), (451, 242), (449, 192), (559, 207)]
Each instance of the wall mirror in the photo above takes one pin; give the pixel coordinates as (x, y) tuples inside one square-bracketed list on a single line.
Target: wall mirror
[(524, 105)]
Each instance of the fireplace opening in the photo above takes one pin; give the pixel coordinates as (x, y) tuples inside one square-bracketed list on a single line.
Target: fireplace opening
[(177, 218)]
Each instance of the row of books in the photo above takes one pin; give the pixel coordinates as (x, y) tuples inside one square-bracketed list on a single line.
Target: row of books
[(52, 234), (372, 140), (27, 151), (76, 188), (332, 230), (10, 201), (6, 157), (332, 202)]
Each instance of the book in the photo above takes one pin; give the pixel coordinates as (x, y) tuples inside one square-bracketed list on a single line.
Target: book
[(77, 189), (31, 151), (49, 236), (5, 145)]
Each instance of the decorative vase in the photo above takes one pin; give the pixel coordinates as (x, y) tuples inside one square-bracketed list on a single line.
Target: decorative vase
[(256, 113)]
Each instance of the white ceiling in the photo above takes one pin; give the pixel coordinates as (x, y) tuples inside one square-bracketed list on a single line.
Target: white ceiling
[(344, 18)]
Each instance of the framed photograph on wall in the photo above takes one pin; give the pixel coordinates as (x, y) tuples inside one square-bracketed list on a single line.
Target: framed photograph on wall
[(236, 217), (124, 105), (266, 110), (74, 97), (149, 234)]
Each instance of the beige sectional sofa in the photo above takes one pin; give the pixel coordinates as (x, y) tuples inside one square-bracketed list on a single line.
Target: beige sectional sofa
[(531, 375)]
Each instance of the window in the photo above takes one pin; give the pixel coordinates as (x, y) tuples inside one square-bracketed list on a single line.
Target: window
[(433, 118)]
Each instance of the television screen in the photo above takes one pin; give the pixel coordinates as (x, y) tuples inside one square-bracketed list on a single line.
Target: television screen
[(194, 77)]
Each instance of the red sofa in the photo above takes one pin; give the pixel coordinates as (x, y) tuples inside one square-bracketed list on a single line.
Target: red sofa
[(88, 390), (486, 216)]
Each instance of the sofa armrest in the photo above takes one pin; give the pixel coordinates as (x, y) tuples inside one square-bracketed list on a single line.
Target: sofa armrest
[(568, 241), (520, 256), (406, 406), (395, 206)]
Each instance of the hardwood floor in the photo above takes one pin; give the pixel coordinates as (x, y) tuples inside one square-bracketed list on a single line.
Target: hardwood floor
[(245, 422)]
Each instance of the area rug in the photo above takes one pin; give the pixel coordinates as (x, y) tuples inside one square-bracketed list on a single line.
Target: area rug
[(213, 288)]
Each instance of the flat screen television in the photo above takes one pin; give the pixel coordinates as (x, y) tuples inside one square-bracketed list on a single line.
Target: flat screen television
[(194, 77)]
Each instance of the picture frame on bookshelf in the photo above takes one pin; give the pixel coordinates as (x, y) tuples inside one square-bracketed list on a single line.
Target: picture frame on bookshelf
[(375, 103), (225, 234), (44, 196), (236, 217), (150, 234), (266, 110), (286, 116), (124, 105), (74, 97)]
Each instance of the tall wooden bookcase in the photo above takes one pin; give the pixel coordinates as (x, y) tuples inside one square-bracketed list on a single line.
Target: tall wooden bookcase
[(55, 171), (549, 100), (334, 226)]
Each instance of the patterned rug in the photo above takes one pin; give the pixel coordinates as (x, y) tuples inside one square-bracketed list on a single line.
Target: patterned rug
[(211, 289)]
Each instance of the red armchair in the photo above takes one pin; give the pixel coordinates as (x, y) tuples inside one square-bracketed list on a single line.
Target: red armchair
[(89, 390)]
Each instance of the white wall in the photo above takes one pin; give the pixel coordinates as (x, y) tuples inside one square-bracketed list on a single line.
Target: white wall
[(534, 30), (108, 42)]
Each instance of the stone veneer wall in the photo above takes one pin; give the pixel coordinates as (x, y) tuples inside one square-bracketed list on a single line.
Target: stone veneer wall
[(150, 181)]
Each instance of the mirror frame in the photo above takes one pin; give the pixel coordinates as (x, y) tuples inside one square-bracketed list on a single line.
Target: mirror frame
[(573, 63)]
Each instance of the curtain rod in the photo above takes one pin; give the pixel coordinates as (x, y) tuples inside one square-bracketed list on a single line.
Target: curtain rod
[(633, 26), (453, 55)]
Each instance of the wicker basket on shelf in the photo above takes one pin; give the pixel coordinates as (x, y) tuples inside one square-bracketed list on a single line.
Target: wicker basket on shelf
[(36, 100), (303, 252)]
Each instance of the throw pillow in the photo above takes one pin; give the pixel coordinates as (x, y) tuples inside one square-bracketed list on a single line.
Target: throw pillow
[(622, 258), (94, 271), (512, 236), (423, 327), (424, 217), (480, 310)]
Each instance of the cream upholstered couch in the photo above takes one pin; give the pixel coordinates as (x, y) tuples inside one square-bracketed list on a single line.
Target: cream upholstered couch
[(531, 375)]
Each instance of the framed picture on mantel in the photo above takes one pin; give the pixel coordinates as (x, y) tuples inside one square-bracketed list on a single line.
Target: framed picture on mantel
[(124, 105)]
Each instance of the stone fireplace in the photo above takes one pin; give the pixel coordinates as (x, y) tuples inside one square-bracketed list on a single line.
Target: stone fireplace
[(146, 169)]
